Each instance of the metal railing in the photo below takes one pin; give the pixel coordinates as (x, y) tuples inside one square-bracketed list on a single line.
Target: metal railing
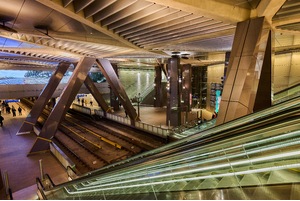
[(161, 132)]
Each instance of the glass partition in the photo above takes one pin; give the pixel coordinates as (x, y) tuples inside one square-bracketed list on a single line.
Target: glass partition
[(263, 153)]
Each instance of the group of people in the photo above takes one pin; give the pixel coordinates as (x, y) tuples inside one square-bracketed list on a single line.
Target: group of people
[(84, 102), (5, 107)]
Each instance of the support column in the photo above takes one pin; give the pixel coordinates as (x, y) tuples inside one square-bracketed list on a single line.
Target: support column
[(158, 98), (244, 70), (263, 98), (96, 94), (61, 107), (118, 89), (174, 93), (114, 101), (43, 99), (186, 100)]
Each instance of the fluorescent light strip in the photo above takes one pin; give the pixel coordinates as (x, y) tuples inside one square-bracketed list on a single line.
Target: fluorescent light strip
[(192, 179), (199, 170), (130, 173)]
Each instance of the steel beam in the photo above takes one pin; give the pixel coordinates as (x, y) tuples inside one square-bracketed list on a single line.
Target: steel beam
[(96, 94), (60, 109), (43, 99), (118, 89)]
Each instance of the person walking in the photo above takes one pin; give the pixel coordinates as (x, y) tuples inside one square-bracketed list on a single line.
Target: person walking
[(13, 109), (20, 110), (1, 120)]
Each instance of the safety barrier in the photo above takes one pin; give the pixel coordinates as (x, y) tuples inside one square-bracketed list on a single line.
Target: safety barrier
[(61, 156), (79, 108), (161, 132)]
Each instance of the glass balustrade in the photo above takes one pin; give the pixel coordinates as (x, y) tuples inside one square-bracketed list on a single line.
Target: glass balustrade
[(265, 152)]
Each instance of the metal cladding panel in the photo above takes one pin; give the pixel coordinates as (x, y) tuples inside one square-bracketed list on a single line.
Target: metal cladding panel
[(158, 102), (242, 82), (96, 94), (174, 94), (43, 98), (186, 87), (65, 100), (115, 84)]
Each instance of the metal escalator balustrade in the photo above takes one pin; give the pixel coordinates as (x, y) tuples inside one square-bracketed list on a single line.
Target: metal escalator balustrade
[(286, 94), (231, 156), (202, 174), (290, 102), (152, 172), (201, 156), (262, 154)]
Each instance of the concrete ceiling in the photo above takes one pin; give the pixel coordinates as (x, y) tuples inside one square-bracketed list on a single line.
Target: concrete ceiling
[(131, 32)]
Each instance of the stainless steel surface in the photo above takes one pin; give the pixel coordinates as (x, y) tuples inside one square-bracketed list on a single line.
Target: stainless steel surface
[(244, 163), (118, 89), (96, 94), (43, 99), (60, 108), (242, 79)]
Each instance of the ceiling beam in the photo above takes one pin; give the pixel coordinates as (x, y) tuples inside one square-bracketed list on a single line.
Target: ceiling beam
[(70, 12), (268, 8), (209, 8), (75, 37), (286, 20), (228, 32)]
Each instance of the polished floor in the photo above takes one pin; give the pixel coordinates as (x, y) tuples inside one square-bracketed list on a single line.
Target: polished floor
[(22, 169)]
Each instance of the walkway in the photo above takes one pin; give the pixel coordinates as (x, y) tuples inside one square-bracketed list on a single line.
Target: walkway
[(22, 170)]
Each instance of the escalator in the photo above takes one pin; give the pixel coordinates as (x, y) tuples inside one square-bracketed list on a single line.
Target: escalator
[(253, 157)]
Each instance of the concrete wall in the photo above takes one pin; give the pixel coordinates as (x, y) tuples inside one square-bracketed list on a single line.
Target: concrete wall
[(30, 90), (286, 71)]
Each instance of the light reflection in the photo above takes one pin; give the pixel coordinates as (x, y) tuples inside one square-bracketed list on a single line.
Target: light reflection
[(200, 157), (254, 171)]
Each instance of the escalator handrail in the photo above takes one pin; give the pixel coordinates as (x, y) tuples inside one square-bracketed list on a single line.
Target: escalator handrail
[(183, 141)]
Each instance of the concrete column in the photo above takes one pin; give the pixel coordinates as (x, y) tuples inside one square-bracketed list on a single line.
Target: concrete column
[(61, 107), (174, 93), (244, 70), (43, 99)]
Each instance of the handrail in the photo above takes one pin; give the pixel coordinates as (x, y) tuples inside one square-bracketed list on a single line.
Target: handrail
[(49, 178), (10, 193), (41, 188), (286, 89), (237, 123), (70, 169), (250, 147), (159, 131), (5, 184)]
